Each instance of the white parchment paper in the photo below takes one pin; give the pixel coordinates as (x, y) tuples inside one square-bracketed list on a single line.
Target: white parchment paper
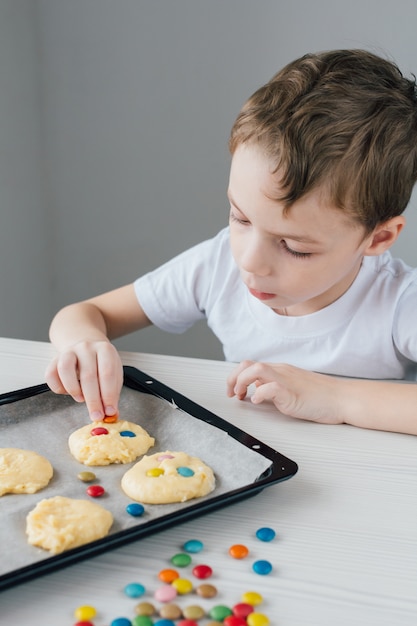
[(43, 424)]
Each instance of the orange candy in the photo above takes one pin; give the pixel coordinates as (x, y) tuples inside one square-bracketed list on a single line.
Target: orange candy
[(111, 419), (238, 551), (168, 575)]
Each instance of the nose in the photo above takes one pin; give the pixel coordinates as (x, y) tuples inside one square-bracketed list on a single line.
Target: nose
[(255, 257)]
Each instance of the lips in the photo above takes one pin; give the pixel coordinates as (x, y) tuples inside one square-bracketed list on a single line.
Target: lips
[(261, 295)]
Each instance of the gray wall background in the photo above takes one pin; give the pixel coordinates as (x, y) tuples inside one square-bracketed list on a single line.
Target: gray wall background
[(114, 119)]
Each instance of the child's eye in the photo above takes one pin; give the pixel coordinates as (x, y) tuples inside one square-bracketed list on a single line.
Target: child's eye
[(298, 255), (236, 219)]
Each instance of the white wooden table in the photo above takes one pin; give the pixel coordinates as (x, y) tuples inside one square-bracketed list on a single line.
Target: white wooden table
[(346, 547)]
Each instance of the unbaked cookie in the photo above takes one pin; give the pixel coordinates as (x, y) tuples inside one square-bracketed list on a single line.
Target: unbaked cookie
[(23, 471), (101, 443), (58, 524), (167, 477)]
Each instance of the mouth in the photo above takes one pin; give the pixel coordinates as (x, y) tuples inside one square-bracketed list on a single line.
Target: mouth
[(261, 295)]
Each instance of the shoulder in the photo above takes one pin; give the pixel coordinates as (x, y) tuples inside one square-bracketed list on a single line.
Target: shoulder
[(390, 271)]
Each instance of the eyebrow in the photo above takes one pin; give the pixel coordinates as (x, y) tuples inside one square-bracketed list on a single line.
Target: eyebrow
[(303, 239)]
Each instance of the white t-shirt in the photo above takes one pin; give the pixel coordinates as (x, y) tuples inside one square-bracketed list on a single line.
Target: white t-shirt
[(369, 332)]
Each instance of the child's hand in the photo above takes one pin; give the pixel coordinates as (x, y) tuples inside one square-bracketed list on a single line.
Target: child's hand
[(90, 372), (294, 391)]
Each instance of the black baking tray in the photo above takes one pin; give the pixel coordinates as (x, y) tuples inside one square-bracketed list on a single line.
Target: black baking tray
[(279, 468)]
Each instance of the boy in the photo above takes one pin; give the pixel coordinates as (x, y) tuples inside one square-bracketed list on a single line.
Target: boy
[(301, 288)]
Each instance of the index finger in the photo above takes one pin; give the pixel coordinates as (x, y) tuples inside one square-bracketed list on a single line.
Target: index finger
[(110, 378), (233, 378)]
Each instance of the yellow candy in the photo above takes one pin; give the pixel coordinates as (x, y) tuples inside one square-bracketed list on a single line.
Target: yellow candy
[(84, 613), (182, 585), (252, 597), (257, 619), (155, 472)]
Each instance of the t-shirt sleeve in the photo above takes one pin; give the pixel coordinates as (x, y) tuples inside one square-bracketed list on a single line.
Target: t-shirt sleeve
[(405, 323), (174, 296)]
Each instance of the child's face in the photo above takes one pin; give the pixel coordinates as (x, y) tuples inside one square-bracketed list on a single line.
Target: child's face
[(298, 263)]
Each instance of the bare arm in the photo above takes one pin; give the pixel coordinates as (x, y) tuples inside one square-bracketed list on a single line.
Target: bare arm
[(88, 366), (379, 405)]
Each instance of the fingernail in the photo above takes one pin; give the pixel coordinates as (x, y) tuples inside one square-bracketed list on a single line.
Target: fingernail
[(109, 410), (96, 416)]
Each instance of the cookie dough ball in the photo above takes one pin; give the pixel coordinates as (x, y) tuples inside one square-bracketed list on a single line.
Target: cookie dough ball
[(58, 524), (167, 477), (23, 471), (101, 443)]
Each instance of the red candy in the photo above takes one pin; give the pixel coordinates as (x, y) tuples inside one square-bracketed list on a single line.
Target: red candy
[(99, 430), (243, 609), (187, 622), (202, 571), (233, 620), (84, 623), (95, 491)]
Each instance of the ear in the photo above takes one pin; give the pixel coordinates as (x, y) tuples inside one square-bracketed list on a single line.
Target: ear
[(384, 235)]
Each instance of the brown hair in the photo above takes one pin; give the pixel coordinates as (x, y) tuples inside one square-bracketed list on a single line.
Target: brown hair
[(343, 120)]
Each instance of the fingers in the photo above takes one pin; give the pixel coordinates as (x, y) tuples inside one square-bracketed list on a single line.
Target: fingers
[(62, 378), (246, 373), (110, 377), (90, 372)]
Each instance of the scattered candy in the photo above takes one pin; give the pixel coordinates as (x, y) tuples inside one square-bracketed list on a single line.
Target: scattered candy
[(233, 620), (135, 509), (194, 612), (202, 571), (142, 620), (168, 575), (181, 559), (99, 431), (86, 477), (165, 456), (252, 597), (206, 591), (242, 609), (95, 491), (220, 612), (85, 612), (121, 621), (145, 608), (193, 546), (127, 433), (265, 534), (257, 619), (155, 472), (243, 613), (262, 567), (170, 611), (134, 590), (166, 593), (238, 551), (182, 585), (185, 471)]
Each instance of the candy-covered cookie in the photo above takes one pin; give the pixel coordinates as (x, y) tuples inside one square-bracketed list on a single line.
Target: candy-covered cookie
[(167, 477), (103, 443)]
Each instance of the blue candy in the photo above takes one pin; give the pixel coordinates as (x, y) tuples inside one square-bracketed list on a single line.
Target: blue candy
[(135, 509), (262, 567), (265, 534)]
